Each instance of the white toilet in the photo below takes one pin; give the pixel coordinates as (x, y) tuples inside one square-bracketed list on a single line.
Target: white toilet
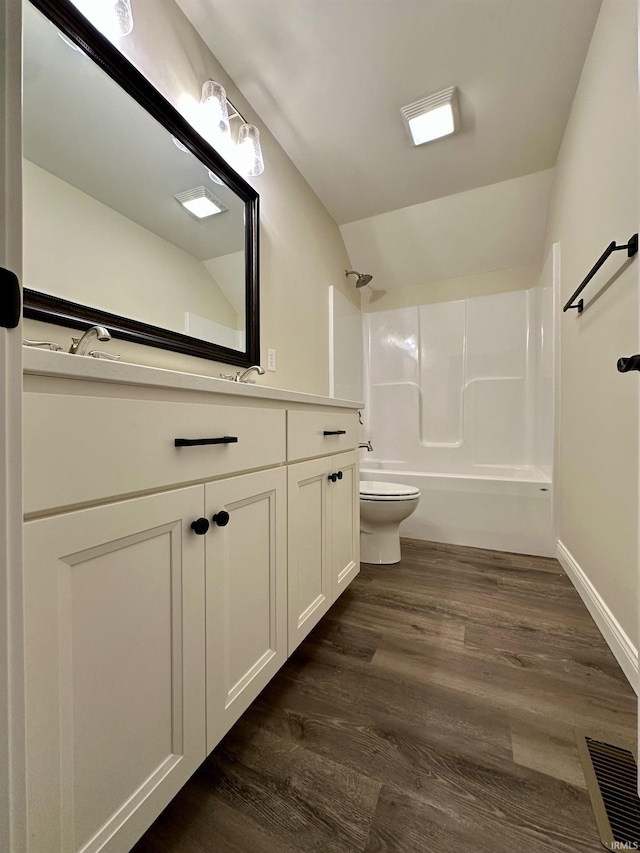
[(382, 507)]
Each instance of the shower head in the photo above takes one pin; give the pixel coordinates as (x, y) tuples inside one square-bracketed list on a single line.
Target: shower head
[(363, 278)]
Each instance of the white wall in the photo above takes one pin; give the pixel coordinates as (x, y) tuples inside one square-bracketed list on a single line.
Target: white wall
[(228, 271), (446, 290), (79, 249), (346, 348), (497, 227), (302, 251), (594, 201)]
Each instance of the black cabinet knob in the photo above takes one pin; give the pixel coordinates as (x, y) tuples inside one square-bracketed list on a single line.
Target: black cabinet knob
[(200, 526), (221, 518), (333, 477), (339, 475)]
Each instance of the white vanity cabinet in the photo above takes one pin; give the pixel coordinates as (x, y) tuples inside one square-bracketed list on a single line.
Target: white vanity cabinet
[(324, 537), (114, 624), (146, 639), (246, 593)]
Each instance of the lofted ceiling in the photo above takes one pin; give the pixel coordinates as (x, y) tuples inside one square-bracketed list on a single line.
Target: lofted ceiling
[(328, 77)]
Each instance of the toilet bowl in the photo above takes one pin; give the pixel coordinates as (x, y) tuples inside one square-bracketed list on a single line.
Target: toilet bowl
[(382, 507)]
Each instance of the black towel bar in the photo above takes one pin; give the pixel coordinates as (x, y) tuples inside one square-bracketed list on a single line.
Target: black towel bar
[(632, 249)]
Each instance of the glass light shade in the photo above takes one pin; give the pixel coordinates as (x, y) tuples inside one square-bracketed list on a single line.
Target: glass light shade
[(124, 17), (68, 41), (214, 100), (215, 178), (179, 144), (113, 18), (249, 155)]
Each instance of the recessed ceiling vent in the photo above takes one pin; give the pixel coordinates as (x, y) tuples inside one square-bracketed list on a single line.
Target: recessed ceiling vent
[(433, 117), (201, 203)]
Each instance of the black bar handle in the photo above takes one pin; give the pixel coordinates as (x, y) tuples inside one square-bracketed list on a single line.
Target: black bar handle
[(627, 364), (194, 442), (632, 249), (335, 432)]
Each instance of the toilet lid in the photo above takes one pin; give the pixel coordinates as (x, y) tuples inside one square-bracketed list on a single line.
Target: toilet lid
[(375, 489)]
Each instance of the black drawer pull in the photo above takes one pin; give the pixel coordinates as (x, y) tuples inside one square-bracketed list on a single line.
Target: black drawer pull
[(193, 442), (333, 477), (335, 432), (627, 364), (200, 526), (221, 518), (339, 475)]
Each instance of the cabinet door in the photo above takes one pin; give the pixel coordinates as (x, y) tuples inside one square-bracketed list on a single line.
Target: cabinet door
[(246, 593), (344, 497), (309, 575), (115, 719)]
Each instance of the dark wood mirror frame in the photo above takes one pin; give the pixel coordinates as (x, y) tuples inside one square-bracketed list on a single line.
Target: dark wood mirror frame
[(51, 309)]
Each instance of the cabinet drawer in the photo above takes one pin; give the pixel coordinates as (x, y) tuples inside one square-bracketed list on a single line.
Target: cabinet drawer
[(81, 449), (306, 433)]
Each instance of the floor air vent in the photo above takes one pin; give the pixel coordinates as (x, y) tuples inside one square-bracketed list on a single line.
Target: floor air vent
[(611, 774)]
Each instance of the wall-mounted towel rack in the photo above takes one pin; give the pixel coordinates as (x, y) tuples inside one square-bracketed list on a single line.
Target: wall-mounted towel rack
[(632, 249)]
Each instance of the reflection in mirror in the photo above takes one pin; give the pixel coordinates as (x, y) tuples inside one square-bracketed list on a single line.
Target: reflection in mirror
[(117, 216)]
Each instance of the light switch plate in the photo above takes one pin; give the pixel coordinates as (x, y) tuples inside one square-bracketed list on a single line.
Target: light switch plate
[(271, 360)]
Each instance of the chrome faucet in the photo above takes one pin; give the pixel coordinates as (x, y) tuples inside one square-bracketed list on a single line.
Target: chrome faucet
[(242, 376), (79, 346), (366, 445)]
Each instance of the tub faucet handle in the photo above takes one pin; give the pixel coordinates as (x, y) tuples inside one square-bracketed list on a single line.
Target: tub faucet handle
[(366, 445)]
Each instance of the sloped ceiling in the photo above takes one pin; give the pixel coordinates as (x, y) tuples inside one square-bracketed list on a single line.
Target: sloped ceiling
[(329, 77)]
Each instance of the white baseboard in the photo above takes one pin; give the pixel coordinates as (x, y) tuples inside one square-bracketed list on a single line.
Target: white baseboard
[(624, 650)]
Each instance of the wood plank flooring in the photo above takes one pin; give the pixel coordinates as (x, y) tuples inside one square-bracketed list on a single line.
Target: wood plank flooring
[(432, 710)]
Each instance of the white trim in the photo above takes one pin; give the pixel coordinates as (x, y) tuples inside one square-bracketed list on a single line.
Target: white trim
[(557, 373), (332, 372), (620, 644), (12, 764)]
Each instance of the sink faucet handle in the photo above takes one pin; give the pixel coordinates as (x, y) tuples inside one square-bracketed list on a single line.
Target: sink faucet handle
[(98, 353), (52, 345)]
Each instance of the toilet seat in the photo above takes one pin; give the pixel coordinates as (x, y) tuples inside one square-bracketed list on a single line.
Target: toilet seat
[(378, 491)]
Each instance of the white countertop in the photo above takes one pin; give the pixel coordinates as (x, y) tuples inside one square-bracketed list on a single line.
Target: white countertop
[(65, 366)]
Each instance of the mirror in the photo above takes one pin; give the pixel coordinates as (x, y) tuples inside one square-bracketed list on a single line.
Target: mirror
[(131, 220)]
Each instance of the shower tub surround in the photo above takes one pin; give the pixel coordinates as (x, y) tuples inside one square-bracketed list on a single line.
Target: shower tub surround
[(460, 404)]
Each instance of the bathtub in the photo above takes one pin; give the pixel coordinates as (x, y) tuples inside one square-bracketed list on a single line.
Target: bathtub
[(503, 509)]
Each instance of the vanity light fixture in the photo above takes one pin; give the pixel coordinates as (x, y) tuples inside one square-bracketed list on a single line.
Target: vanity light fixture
[(432, 117), (247, 154), (201, 203), (113, 18), (214, 101)]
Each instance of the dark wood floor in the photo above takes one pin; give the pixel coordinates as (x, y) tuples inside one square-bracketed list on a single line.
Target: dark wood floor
[(432, 710)]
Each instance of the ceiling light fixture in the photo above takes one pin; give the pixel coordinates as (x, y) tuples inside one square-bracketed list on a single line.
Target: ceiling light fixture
[(201, 203), (433, 117), (246, 156)]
